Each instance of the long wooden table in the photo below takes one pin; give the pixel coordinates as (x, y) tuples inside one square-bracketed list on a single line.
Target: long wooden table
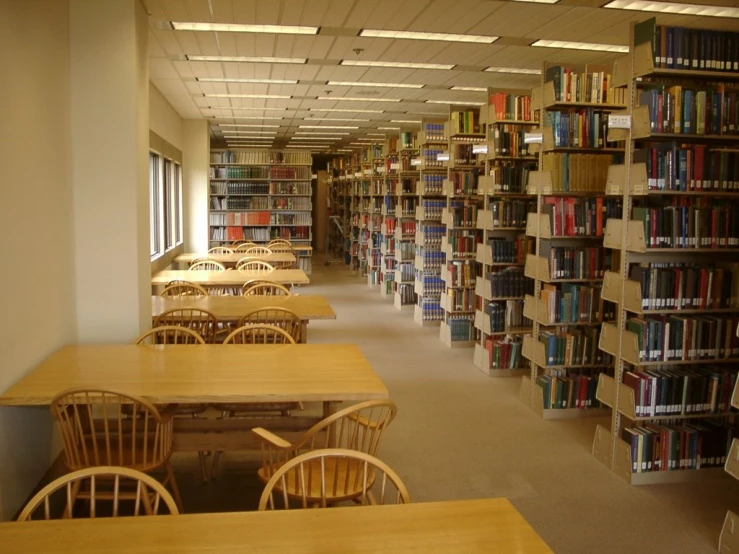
[(217, 374), (229, 278), (233, 259), (232, 308), (487, 526)]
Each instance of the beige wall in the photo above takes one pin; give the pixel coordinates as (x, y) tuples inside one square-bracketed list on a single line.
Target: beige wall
[(196, 164), (163, 119), (35, 216)]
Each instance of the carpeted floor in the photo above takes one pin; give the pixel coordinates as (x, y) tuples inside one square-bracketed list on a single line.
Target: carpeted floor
[(461, 434)]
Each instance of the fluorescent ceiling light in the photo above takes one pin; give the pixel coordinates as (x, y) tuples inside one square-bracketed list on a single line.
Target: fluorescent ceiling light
[(248, 125), (276, 96), (320, 133), (517, 70), (343, 110), (244, 28), (413, 35), (256, 81), (308, 146), (365, 140), (248, 145), (357, 99), (326, 127), (253, 108), (470, 89), (376, 85), (296, 139), (455, 102), (670, 7), (249, 132), (404, 65), (247, 118), (344, 150), (388, 128), (415, 122), (332, 119), (538, 1), (251, 138), (246, 59), (581, 46), (376, 134)]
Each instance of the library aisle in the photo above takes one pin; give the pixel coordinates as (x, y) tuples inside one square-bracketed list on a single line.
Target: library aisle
[(461, 434)]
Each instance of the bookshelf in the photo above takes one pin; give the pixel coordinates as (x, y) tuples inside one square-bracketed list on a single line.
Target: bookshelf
[(499, 323), (675, 349), (566, 306), (381, 167), (429, 230), (387, 235), (339, 207), (260, 195), (459, 273)]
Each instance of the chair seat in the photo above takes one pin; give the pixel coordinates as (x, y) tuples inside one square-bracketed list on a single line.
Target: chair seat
[(123, 457), (343, 480)]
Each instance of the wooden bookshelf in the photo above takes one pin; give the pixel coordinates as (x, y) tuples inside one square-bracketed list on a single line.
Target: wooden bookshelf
[(260, 195), (628, 240), (384, 168)]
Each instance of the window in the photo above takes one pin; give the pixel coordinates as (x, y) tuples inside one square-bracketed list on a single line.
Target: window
[(165, 197)]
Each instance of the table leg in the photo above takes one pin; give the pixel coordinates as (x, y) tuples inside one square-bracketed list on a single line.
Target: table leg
[(304, 331), (329, 408)]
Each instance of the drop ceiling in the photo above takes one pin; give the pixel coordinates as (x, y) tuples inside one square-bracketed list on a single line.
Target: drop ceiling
[(208, 90)]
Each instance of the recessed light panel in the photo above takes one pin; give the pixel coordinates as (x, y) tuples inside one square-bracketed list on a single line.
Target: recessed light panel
[(413, 35), (262, 96), (670, 7), (246, 59), (568, 45), (470, 89), (455, 102), (403, 65), (254, 81), (372, 85), (357, 99), (515, 70), (241, 28), (327, 127)]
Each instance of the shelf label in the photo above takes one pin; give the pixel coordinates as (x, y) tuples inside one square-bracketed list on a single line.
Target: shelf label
[(616, 121), (533, 138), (415, 161), (394, 166)]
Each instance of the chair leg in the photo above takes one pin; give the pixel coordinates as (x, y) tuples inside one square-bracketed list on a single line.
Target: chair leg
[(214, 465), (203, 467), (173, 486)]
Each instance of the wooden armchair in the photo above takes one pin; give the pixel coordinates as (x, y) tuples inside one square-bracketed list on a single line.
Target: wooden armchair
[(207, 265), (326, 477), (170, 334), (257, 251), (257, 266), (244, 246), (202, 322), (286, 319), (184, 289), (106, 483), (259, 333), (106, 428), (265, 289), (220, 250), (359, 427)]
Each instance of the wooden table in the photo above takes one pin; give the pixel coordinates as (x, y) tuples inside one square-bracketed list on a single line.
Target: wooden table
[(232, 259), (229, 278), (230, 309), (489, 526), (194, 374)]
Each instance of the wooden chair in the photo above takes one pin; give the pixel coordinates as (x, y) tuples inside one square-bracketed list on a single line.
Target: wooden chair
[(207, 265), (258, 251), (326, 477), (107, 483), (286, 319), (279, 242), (220, 250), (202, 322), (259, 333), (265, 289), (359, 427), (244, 246), (257, 266), (183, 289), (105, 428), (170, 334)]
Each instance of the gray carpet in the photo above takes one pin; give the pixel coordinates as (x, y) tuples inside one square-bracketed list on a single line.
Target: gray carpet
[(461, 434)]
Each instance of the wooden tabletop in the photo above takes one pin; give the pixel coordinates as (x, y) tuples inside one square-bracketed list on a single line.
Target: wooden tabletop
[(235, 257), (229, 308), (205, 373), (489, 526), (230, 278)]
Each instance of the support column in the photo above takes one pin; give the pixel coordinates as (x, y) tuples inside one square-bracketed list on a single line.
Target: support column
[(195, 167), (110, 136)]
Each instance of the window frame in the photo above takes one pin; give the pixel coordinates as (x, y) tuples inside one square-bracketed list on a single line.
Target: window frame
[(166, 225)]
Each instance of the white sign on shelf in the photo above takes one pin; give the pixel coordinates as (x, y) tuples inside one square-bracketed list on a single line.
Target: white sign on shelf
[(616, 121), (395, 165), (416, 161), (533, 138)]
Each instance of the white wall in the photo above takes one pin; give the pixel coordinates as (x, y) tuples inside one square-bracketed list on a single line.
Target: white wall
[(36, 226), (195, 167), (163, 119)]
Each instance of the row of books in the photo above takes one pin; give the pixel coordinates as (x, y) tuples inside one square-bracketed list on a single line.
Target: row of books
[(405, 291), (301, 189), (461, 300), (239, 188), (585, 128), (297, 218), (432, 261), (573, 303), (462, 215), (509, 213), (574, 391), (690, 224), (288, 203), (464, 182), (461, 274), (408, 205), (678, 447), (509, 176), (407, 227), (239, 172), (570, 217), (510, 283), (462, 154), (694, 111), (405, 250), (432, 208), (220, 203), (690, 167), (429, 156), (241, 233), (578, 347), (506, 315), (571, 85), (432, 184), (682, 286), (578, 172), (508, 140), (689, 49), (461, 327), (464, 122), (510, 106), (681, 391), (430, 309), (433, 233), (512, 251), (505, 353), (240, 218), (290, 233), (407, 272), (462, 244), (407, 141), (566, 262), (260, 157), (390, 225), (434, 131), (432, 283), (681, 338)]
